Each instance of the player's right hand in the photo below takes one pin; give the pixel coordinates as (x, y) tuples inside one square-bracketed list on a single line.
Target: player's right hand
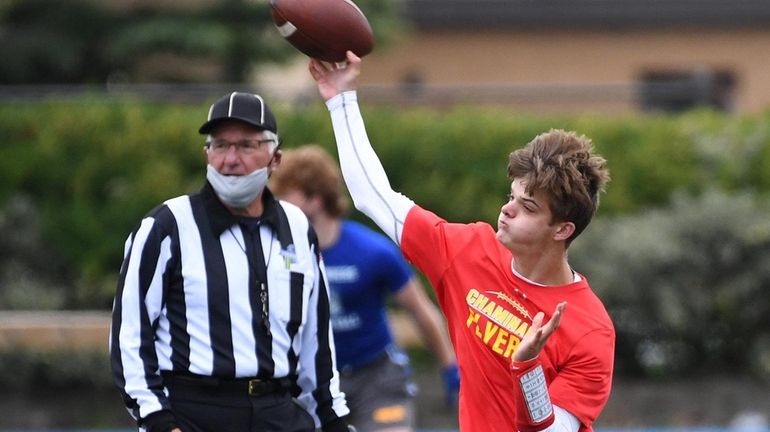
[(333, 79)]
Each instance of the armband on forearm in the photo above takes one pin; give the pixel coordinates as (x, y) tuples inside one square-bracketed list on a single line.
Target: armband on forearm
[(534, 411)]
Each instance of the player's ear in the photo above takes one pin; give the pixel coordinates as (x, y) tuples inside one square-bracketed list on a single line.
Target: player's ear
[(564, 231)]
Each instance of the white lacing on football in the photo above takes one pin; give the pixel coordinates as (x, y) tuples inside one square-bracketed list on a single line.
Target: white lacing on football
[(286, 29)]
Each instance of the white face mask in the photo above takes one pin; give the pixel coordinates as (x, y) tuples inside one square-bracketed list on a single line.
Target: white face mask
[(237, 191)]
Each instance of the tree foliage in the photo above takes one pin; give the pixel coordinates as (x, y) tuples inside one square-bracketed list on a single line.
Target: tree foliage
[(85, 41), (686, 284)]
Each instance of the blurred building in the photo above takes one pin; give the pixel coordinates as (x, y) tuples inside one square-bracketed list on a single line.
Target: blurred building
[(565, 55)]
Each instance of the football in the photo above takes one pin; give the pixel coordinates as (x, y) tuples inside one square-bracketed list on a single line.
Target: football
[(323, 29)]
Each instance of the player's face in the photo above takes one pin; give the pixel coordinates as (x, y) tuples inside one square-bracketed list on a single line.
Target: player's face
[(239, 149), (524, 223)]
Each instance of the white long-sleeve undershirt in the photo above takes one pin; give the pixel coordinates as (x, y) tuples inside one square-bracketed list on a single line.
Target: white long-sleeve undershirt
[(563, 421), (364, 175)]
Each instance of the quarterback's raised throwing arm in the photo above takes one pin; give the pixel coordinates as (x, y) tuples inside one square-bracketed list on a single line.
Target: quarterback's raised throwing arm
[(557, 384), (364, 175)]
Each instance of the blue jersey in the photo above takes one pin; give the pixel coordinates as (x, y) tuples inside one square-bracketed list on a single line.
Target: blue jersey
[(363, 267)]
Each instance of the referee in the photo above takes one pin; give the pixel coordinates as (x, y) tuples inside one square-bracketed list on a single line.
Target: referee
[(221, 316)]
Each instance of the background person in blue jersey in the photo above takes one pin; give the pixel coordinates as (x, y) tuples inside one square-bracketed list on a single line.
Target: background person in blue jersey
[(364, 269)]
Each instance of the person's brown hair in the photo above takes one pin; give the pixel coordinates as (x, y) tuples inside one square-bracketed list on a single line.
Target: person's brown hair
[(563, 165), (313, 171)]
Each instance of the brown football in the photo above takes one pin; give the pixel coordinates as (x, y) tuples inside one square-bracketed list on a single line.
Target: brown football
[(323, 29)]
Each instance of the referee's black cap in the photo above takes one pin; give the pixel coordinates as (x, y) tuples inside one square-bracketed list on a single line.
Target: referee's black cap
[(246, 107)]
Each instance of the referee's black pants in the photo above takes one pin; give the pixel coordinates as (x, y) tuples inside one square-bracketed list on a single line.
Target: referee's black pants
[(211, 405)]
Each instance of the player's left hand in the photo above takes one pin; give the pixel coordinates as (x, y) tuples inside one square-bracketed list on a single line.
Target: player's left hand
[(451, 377), (538, 333)]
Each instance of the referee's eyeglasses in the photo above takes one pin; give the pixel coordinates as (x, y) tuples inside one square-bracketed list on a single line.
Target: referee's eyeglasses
[(244, 147)]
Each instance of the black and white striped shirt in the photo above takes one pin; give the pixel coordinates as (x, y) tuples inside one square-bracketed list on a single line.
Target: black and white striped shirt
[(188, 300)]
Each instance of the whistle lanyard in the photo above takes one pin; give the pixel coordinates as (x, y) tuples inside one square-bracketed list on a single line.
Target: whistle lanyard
[(251, 234)]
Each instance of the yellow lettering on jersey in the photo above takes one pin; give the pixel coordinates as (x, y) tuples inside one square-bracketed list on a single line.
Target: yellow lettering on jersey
[(489, 308), (472, 295), (522, 330), (513, 323), (500, 342), (473, 318), (503, 329), (480, 302), (490, 331), (500, 315), (513, 343)]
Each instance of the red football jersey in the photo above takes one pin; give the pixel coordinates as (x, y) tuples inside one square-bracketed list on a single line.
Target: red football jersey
[(489, 309)]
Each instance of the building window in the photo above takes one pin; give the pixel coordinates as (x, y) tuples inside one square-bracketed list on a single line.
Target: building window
[(413, 82), (676, 91)]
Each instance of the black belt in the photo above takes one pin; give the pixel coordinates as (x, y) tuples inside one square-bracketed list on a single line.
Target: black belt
[(248, 386)]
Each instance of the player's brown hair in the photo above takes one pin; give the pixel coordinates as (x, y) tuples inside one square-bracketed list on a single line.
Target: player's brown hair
[(563, 165), (312, 170)]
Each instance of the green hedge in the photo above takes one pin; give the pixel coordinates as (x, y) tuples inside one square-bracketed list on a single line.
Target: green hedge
[(77, 175), (687, 285), (28, 369), (93, 167)]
